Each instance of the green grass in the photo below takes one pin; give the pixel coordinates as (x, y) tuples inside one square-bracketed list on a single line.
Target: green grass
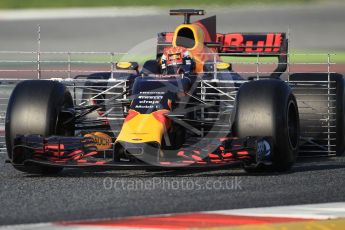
[(295, 57), (21, 4)]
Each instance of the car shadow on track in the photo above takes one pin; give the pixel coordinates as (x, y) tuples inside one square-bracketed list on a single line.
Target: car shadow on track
[(319, 164), (304, 165)]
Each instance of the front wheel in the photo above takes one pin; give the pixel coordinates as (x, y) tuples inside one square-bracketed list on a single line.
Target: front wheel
[(35, 107), (267, 108)]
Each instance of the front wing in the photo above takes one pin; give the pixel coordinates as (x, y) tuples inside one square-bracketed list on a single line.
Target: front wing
[(80, 152)]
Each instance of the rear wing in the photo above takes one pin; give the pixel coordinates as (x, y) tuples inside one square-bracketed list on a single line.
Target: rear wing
[(252, 44), (242, 44), (255, 45)]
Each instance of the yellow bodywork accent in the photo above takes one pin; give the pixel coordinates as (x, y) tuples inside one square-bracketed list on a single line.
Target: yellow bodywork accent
[(223, 65), (198, 35), (142, 128), (199, 52), (198, 48), (123, 65)]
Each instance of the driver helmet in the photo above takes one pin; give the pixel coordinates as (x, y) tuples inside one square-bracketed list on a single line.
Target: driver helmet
[(176, 60)]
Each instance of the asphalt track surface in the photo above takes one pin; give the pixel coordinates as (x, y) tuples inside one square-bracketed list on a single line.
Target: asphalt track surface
[(75, 194)]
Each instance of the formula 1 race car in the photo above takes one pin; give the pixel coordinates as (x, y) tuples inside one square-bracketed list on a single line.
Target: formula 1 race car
[(186, 108)]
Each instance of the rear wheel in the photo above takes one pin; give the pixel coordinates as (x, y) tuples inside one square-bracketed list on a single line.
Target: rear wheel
[(267, 108), (36, 107), (322, 112)]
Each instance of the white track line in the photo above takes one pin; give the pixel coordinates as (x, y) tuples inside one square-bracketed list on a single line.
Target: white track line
[(312, 211), (35, 14), (96, 12)]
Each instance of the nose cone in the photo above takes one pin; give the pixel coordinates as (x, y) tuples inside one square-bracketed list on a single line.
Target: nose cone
[(148, 152), (143, 128)]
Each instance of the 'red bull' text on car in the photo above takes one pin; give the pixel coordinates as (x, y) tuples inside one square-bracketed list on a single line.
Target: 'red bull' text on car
[(187, 108)]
